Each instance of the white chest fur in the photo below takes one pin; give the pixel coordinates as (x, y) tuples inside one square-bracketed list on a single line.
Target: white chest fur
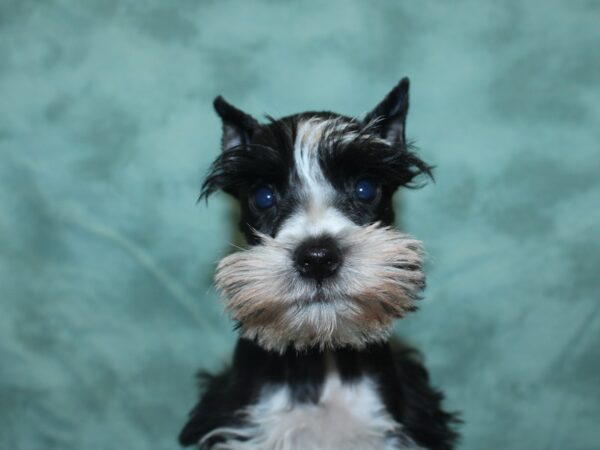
[(347, 416)]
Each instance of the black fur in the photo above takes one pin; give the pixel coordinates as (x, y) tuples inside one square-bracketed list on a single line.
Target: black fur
[(257, 155), (393, 167), (390, 115), (265, 158), (402, 380)]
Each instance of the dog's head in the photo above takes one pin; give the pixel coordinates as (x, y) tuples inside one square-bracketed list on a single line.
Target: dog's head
[(324, 267)]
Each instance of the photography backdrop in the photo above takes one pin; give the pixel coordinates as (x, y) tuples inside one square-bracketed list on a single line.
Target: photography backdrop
[(106, 129)]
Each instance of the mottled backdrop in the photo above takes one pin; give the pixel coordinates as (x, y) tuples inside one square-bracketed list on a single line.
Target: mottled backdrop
[(106, 129)]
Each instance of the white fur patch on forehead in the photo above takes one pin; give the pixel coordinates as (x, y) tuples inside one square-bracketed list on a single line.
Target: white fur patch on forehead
[(309, 135), (312, 133), (316, 214)]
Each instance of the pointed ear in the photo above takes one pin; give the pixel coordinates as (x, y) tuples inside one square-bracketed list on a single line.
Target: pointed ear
[(389, 117), (238, 127)]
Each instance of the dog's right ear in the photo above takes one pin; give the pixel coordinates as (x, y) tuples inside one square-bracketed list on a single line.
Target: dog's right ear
[(238, 127)]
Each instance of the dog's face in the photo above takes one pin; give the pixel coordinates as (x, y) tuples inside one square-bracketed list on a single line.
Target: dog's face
[(324, 267)]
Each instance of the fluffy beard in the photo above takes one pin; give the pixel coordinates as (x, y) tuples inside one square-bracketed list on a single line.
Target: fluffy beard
[(380, 279)]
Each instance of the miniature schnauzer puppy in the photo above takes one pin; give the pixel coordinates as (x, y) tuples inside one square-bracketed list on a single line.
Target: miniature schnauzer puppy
[(315, 294)]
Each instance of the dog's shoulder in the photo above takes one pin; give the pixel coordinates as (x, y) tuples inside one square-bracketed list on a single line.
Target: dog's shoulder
[(421, 410), (217, 406)]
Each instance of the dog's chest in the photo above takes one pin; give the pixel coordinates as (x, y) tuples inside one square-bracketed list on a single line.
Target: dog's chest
[(347, 416)]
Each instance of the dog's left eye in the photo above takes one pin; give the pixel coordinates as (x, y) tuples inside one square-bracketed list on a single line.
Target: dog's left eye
[(366, 190), (264, 198)]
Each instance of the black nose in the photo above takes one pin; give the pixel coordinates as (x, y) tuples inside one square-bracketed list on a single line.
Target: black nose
[(318, 258)]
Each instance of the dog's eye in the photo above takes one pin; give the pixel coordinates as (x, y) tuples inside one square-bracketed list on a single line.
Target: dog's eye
[(264, 198), (366, 190)]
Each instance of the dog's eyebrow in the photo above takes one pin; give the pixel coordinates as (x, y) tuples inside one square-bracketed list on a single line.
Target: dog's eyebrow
[(391, 164), (242, 166)]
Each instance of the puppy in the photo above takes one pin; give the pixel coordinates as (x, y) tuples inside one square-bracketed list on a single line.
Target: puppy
[(315, 295)]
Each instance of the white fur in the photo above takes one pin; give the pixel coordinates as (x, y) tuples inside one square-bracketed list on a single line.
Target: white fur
[(377, 282), (317, 214), (347, 417)]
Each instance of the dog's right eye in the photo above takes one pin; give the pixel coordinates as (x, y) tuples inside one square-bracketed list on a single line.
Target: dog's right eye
[(264, 198)]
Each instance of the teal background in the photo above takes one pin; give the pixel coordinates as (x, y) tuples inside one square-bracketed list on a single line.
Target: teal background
[(106, 129)]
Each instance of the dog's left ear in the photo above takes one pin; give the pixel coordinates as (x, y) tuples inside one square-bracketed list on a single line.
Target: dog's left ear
[(388, 118)]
